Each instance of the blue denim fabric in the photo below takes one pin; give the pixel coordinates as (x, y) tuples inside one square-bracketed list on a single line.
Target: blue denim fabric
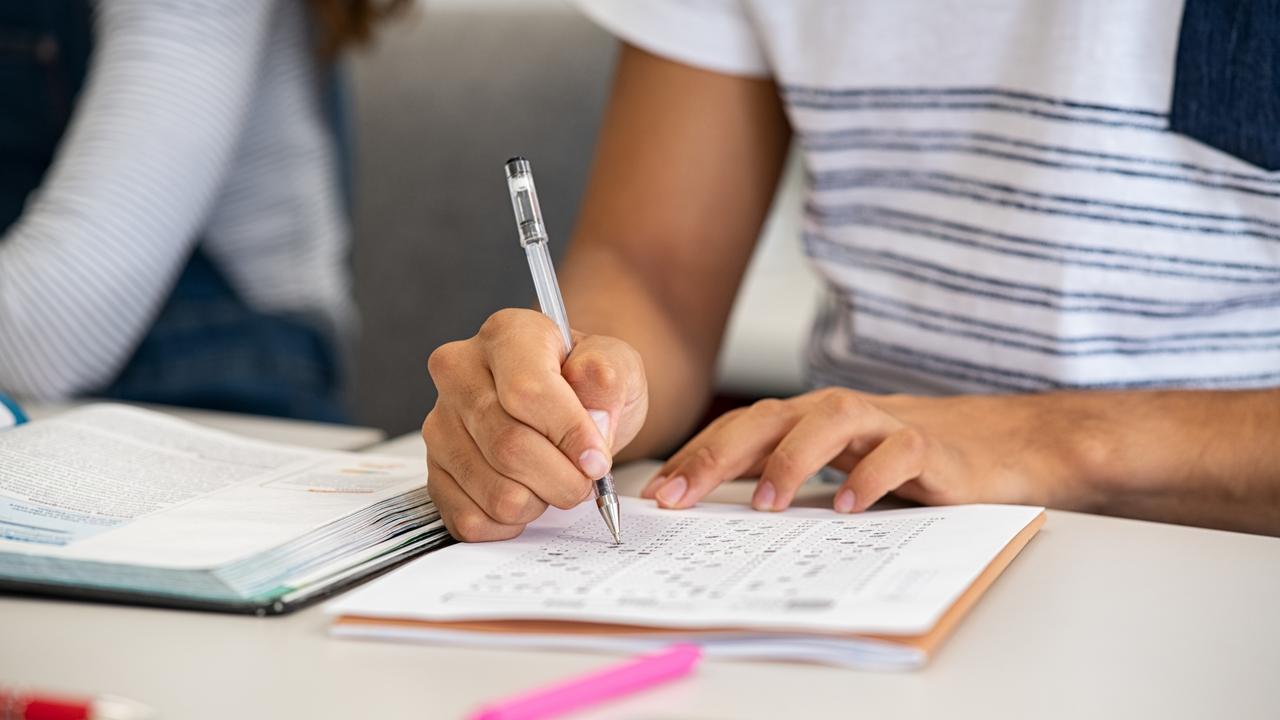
[(207, 348), (44, 47), (1226, 90)]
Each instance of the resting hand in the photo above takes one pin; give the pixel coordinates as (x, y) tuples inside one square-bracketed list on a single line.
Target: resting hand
[(518, 427), (931, 450)]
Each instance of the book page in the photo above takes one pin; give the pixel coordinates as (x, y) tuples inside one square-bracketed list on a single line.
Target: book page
[(68, 478), (714, 566), (112, 483)]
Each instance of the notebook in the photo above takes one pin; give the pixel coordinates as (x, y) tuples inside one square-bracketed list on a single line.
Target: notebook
[(116, 503), (879, 590)]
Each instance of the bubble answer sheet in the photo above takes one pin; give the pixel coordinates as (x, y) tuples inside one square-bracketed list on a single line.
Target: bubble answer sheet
[(804, 572)]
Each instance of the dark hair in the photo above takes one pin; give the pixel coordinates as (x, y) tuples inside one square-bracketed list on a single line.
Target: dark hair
[(344, 23)]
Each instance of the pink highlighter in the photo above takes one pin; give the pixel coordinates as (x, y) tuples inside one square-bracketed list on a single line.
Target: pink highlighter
[(632, 676)]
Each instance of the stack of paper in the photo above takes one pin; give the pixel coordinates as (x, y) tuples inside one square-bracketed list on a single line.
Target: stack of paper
[(127, 504), (877, 590)]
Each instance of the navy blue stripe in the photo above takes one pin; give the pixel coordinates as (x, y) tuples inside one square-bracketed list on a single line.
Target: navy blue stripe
[(911, 180), (871, 216), (1057, 165), (946, 365), (822, 362), (979, 106), (860, 297), (885, 262), (1113, 252), (953, 91), (839, 369), (1052, 351), (832, 141)]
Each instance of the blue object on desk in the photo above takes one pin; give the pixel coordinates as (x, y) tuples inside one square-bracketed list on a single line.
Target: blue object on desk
[(10, 413)]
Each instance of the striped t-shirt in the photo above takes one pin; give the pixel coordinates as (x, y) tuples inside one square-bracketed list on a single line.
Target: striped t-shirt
[(200, 122), (1014, 195)]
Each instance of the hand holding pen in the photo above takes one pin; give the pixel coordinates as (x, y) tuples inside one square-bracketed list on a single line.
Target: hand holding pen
[(520, 421)]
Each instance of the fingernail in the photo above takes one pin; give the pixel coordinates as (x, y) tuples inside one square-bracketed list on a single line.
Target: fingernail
[(845, 501), (593, 463), (654, 482), (673, 491), (601, 419), (764, 497)]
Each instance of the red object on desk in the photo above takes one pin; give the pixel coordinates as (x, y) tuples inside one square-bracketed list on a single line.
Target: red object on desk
[(34, 706)]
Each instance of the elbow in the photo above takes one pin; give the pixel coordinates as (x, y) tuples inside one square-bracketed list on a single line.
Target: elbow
[(41, 385), (49, 374)]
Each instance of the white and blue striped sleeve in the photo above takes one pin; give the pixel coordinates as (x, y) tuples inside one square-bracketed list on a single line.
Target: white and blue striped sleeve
[(714, 35), (86, 268)]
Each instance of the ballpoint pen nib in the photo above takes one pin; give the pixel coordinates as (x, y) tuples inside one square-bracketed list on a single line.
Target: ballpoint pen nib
[(608, 505)]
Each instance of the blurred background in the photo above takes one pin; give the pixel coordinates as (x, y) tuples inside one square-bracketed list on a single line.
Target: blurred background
[(445, 95)]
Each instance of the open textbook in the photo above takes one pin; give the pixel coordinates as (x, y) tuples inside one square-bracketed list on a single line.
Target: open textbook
[(877, 590), (120, 503)]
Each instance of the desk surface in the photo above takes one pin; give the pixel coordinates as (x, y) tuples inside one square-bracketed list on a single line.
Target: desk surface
[(1097, 617)]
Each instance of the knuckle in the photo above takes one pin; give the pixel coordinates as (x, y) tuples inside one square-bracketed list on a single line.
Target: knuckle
[(511, 505), (594, 372), (602, 374), (706, 459), (844, 404), (728, 417), (769, 407), (866, 480), (429, 425), (470, 526), (498, 323), (507, 449), (523, 392), (572, 491), (913, 441), (444, 360), (783, 464)]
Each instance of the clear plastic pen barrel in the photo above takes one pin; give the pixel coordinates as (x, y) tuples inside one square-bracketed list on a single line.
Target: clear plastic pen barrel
[(533, 237)]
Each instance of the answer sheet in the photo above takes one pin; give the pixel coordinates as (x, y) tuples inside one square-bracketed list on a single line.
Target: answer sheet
[(891, 572)]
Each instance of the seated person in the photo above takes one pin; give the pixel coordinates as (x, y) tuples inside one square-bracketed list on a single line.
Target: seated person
[(1048, 232), (176, 230)]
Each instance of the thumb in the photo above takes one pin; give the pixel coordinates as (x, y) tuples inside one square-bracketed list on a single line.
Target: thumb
[(607, 376)]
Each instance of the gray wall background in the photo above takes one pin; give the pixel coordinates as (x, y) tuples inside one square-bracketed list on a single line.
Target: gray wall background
[(443, 99)]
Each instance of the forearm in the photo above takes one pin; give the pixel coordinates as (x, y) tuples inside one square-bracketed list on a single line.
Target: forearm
[(604, 296), (686, 166), (1202, 457)]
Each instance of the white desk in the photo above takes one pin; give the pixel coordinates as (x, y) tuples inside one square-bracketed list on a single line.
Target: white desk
[(1098, 617), (322, 436)]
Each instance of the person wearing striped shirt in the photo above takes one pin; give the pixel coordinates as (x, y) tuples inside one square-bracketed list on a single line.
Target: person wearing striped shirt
[(1049, 232), (171, 189)]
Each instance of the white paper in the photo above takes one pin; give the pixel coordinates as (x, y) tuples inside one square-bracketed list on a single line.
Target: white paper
[(115, 484), (715, 566)]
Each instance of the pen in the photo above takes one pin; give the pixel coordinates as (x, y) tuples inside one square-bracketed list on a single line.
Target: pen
[(15, 705), (533, 237), (634, 675)]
